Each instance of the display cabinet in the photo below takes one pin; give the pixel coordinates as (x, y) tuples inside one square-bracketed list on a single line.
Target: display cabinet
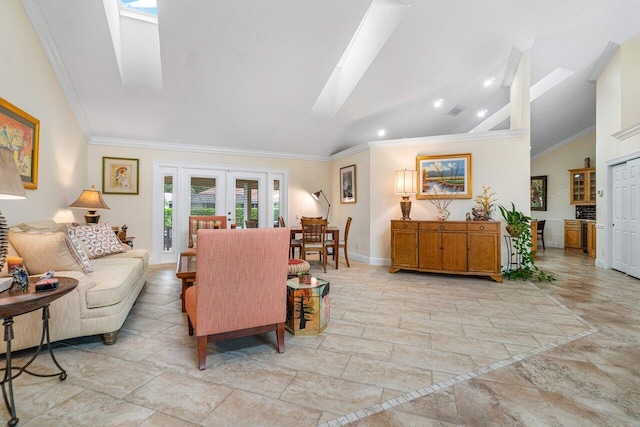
[(583, 186)]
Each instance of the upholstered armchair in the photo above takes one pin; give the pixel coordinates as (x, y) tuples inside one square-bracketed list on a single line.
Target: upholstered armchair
[(196, 222), (241, 286)]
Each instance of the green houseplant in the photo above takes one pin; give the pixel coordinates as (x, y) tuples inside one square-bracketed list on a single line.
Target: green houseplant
[(519, 227)]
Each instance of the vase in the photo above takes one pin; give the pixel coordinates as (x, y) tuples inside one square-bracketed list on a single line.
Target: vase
[(443, 214)]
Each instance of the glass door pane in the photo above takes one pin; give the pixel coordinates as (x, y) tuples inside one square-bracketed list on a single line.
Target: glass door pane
[(247, 193), (168, 214), (203, 196), (276, 202)]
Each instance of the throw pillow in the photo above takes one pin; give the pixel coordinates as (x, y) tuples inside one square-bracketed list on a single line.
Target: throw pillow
[(46, 251), (98, 238), (81, 253)]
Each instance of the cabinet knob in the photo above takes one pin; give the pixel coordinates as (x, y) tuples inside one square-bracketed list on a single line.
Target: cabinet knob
[(442, 227), (404, 225), (482, 227)]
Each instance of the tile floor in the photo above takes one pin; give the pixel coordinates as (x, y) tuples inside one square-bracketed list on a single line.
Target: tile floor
[(402, 349)]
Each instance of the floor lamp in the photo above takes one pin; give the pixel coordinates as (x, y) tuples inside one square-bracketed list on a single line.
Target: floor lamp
[(11, 187), (316, 196)]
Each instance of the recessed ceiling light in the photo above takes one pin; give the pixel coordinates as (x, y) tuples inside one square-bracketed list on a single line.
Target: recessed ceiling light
[(482, 113), (381, 132), (438, 103), (488, 82)]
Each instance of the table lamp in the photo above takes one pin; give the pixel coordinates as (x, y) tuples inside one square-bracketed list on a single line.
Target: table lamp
[(92, 200), (316, 196), (406, 184), (11, 187)]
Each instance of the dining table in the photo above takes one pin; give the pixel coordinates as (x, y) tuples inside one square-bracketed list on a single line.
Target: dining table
[(331, 230)]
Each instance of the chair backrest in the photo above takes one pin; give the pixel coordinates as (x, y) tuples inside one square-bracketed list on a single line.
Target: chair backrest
[(251, 223), (281, 222), (241, 278), (541, 225), (346, 230), (313, 230), (197, 222)]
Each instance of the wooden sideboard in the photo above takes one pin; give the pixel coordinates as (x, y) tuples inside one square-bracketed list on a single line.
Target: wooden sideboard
[(455, 247)]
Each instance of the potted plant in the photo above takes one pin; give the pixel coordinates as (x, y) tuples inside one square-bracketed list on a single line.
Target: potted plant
[(517, 222), (304, 277)]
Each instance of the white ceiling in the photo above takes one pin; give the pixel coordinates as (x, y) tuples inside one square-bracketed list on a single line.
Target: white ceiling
[(245, 74)]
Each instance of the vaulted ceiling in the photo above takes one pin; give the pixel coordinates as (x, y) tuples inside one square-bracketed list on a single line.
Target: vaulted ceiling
[(246, 74)]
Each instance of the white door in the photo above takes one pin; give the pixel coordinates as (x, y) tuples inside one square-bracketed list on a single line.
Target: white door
[(247, 193), (626, 221)]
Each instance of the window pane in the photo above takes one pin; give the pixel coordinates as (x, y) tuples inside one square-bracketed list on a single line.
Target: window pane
[(168, 213), (203, 196), (276, 202), (247, 203)]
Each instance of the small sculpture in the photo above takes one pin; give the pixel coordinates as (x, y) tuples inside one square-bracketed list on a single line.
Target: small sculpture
[(48, 274), (20, 279), (468, 217)]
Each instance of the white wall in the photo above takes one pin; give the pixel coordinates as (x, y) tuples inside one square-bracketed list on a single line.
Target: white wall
[(555, 166), (499, 160), (617, 94), (135, 211), (28, 82)]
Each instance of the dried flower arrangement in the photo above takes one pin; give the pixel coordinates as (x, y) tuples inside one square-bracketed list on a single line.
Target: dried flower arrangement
[(486, 200)]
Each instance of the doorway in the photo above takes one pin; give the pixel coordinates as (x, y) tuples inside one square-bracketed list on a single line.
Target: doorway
[(625, 225)]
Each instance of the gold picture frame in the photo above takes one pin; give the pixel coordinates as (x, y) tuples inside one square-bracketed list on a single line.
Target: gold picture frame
[(20, 133), (120, 175), (446, 175)]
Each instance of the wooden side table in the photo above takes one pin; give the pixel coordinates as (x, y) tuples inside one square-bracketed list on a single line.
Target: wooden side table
[(17, 303)]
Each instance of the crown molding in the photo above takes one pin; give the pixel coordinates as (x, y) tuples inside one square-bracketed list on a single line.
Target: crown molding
[(351, 151), (40, 26), (565, 141), (602, 62), (459, 137), (155, 145), (627, 132)]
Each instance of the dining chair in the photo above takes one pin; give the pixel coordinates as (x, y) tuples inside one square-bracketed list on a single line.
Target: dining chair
[(251, 223), (313, 239), (342, 243), (294, 243), (541, 231), (197, 222)]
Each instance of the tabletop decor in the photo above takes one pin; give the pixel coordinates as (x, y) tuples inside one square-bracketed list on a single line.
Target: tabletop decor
[(120, 175), (348, 184), (20, 133), (20, 279), (485, 203), (450, 172), (441, 201)]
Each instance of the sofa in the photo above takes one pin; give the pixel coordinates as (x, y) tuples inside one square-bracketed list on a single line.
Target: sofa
[(110, 276)]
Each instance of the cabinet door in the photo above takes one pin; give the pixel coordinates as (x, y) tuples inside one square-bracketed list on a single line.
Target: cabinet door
[(578, 187), (454, 252), (483, 252), (404, 248), (591, 179), (572, 234), (430, 256)]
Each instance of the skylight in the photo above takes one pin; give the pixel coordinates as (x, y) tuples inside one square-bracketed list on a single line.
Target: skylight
[(146, 8)]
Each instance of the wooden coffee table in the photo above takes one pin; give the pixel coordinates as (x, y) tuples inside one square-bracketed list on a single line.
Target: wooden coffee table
[(186, 271)]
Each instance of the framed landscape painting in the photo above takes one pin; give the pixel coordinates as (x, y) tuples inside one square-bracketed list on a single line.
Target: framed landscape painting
[(20, 132), (444, 176), (539, 193), (119, 175), (348, 184)]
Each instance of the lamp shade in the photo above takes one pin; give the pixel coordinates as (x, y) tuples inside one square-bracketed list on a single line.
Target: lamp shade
[(11, 186), (90, 199), (406, 182)]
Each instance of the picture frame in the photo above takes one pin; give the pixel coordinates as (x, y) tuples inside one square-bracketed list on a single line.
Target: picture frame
[(444, 176), (20, 133), (120, 175), (539, 193), (348, 184)]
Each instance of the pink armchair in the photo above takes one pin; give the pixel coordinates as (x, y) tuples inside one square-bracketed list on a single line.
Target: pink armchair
[(241, 285)]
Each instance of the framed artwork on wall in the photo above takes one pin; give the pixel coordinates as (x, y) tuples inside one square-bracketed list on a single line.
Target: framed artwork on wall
[(119, 175), (20, 132), (348, 184), (539, 193), (446, 175)]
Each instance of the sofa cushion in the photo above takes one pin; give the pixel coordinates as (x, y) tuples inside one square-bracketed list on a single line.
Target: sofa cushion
[(98, 238), (46, 251), (82, 253), (113, 277)]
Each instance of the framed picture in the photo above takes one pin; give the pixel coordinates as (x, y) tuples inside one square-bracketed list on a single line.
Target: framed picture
[(348, 184), (444, 176), (539, 193), (20, 132), (119, 175)]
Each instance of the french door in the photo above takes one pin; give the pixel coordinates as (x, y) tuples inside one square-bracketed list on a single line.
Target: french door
[(248, 198)]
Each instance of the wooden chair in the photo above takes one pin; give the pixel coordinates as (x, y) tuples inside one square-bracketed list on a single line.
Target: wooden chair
[(341, 244), (232, 300), (251, 223), (295, 243), (313, 239), (197, 222)]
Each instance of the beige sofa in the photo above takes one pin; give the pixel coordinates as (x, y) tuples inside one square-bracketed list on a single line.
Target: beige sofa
[(103, 298)]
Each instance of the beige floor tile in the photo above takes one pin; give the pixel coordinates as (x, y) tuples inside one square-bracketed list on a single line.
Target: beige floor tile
[(163, 420), (469, 346), (323, 362), (387, 375), (431, 359), (379, 350), (399, 336)]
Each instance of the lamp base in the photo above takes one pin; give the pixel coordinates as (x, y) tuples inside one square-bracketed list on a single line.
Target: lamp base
[(405, 207), (92, 217)]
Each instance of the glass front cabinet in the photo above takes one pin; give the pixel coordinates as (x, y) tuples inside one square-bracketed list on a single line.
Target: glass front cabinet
[(583, 186)]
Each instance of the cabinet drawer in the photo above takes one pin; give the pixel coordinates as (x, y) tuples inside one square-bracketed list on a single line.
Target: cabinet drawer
[(443, 226), (404, 225), (486, 226), (572, 224)]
